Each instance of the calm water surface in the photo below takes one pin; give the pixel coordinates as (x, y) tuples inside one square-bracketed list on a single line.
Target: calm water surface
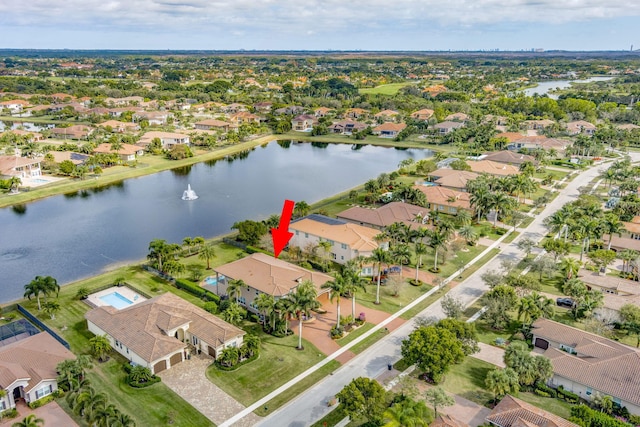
[(74, 236), (544, 87)]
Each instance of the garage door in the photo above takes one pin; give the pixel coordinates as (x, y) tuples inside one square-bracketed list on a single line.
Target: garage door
[(175, 359), (160, 366), (543, 344)]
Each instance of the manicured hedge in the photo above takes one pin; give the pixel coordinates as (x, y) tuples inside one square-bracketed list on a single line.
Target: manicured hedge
[(197, 290)]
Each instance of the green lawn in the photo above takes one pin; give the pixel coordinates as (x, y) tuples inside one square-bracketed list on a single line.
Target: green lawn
[(388, 302), (278, 363), (388, 89), (355, 334)]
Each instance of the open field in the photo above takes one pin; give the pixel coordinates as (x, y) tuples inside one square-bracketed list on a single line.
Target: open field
[(388, 89)]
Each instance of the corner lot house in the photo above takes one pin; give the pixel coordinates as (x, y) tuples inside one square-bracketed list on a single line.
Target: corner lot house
[(264, 274), (28, 368), (159, 333), (585, 363), (348, 241)]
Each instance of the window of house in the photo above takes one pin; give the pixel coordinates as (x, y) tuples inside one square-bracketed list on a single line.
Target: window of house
[(331, 242), (44, 391), (194, 339), (343, 246), (297, 233), (333, 255), (242, 300), (306, 235), (617, 402), (589, 391), (342, 258), (3, 405)]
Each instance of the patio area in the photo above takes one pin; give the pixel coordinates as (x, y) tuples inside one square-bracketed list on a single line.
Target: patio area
[(51, 413), (116, 296)]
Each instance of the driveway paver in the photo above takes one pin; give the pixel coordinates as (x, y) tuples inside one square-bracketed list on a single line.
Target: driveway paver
[(51, 413), (188, 379)]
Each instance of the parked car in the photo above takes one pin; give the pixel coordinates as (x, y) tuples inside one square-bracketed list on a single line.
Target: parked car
[(565, 302)]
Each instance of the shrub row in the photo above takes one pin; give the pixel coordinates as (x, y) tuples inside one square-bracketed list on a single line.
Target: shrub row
[(221, 367), (197, 290), (567, 395), (41, 402), (152, 381)]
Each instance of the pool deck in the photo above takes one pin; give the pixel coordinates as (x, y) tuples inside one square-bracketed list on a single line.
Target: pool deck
[(126, 292)]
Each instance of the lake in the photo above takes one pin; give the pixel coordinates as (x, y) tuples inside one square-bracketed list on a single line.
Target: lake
[(544, 87), (78, 235)]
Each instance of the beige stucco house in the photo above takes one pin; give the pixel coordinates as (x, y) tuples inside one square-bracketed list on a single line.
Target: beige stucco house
[(28, 368), (160, 332)]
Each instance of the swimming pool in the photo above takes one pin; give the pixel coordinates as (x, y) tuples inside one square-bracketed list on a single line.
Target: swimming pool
[(429, 184), (116, 300), (210, 280), (40, 180)]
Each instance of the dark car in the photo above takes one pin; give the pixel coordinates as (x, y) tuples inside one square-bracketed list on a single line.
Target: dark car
[(565, 302)]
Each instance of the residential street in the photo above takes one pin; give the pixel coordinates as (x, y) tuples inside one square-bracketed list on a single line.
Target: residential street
[(311, 405)]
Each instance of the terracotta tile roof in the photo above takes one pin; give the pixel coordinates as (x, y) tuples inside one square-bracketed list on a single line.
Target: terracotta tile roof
[(34, 358), (632, 227), (456, 179), (512, 412), (127, 149), (449, 125), (622, 286), (444, 420), (493, 168), (457, 116), (213, 123), (602, 364), (386, 113), (355, 236), (9, 163), (511, 136), (143, 327), (390, 127), (385, 215), (270, 275), (119, 124), (425, 112), (440, 196), (509, 157)]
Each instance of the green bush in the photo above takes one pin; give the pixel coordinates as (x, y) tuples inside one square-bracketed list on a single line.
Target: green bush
[(152, 381), (211, 307), (196, 290), (41, 402), (415, 282), (546, 389), (9, 413), (541, 393), (237, 365), (337, 332)]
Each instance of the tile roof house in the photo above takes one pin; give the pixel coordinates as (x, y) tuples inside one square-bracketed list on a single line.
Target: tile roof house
[(303, 123), (387, 115), (348, 240), (616, 292), (512, 412), (457, 117), (581, 126), (493, 168), (322, 111), (445, 200), (14, 106), (155, 118), (447, 126), (450, 178), (22, 167), (628, 126), (28, 368), (538, 124), (168, 139), (510, 158), (585, 363), (356, 113), (30, 136), (155, 333), (347, 127), (411, 215), (127, 152), (389, 130), (72, 132), (243, 117), (213, 124), (120, 127), (424, 114), (264, 274), (535, 142)]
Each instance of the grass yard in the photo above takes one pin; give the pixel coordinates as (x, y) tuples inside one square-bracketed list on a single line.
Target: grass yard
[(279, 362), (388, 302), (388, 89), (355, 334), (467, 380)]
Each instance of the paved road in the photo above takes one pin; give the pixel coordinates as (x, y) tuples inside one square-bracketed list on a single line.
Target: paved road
[(311, 405)]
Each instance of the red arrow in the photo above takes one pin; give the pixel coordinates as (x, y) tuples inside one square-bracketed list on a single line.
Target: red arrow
[(281, 235)]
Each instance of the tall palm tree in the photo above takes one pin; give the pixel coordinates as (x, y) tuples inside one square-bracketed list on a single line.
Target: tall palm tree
[(501, 205), (187, 242), (265, 303), (401, 254), (437, 240), (44, 285), (569, 267), (612, 225), (122, 420), (528, 310), (234, 288), (100, 346), (627, 256), (301, 302), (480, 200), (337, 288), (419, 249), (207, 253), (379, 256), (354, 282), (463, 218), (29, 421), (407, 413), (469, 234)]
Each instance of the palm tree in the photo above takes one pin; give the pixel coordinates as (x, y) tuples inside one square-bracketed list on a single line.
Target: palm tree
[(265, 303), (469, 234), (234, 288), (501, 205), (379, 256), (419, 249), (188, 242), (51, 308), (612, 225), (336, 289), (401, 254), (528, 310), (569, 267), (437, 240), (463, 218), (480, 200), (407, 413), (122, 420), (29, 421), (100, 346), (301, 302), (207, 253), (627, 256), (159, 251), (41, 285)]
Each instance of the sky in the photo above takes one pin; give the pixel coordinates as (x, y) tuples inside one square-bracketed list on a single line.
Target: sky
[(321, 24)]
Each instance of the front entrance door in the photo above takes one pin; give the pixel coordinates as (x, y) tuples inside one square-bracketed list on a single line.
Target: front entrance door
[(17, 393)]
